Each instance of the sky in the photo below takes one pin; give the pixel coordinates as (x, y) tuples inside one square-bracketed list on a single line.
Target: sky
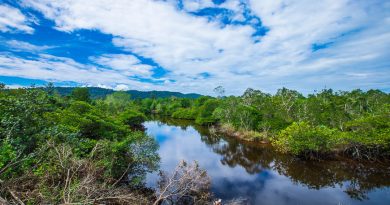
[(197, 45)]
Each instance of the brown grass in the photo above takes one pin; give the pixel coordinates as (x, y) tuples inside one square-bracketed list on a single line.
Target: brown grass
[(247, 135)]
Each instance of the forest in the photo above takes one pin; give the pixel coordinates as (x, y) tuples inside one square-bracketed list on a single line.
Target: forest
[(77, 149), (348, 123)]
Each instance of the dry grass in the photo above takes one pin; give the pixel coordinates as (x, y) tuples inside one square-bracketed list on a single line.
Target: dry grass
[(247, 135)]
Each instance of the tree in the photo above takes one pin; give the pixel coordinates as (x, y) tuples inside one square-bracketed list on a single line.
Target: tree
[(220, 91), (50, 89), (305, 140), (287, 99), (118, 101), (132, 118), (205, 115), (81, 94)]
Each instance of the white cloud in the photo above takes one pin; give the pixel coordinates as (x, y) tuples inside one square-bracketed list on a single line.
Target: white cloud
[(121, 87), (12, 20), (125, 64), (195, 5), (188, 45), (15, 86), (60, 69), (25, 46)]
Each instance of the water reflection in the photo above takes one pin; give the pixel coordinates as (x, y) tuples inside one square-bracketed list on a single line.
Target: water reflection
[(264, 176)]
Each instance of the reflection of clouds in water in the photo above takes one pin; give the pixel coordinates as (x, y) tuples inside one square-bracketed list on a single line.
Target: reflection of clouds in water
[(263, 187), (187, 145), (280, 190)]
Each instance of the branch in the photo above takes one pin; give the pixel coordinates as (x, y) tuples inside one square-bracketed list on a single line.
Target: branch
[(124, 173), (15, 197)]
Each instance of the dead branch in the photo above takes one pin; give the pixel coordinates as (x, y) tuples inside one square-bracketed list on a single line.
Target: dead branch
[(187, 180)]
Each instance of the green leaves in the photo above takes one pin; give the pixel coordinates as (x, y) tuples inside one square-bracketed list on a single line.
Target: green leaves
[(185, 113), (81, 94), (37, 130), (205, 113), (7, 154), (132, 118), (303, 139)]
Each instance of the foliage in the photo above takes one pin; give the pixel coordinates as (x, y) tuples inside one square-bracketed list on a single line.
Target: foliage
[(205, 113), (303, 139), (132, 118), (185, 113), (78, 149), (118, 101), (65, 150), (368, 137), (64, 178), (101, 93), (358, 118), (81, 94)]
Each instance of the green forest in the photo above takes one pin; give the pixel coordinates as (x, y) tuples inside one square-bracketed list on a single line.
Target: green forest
[(354, 124), (79, 149)]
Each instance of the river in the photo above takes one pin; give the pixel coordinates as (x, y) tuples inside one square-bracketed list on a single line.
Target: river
[(260, 175)]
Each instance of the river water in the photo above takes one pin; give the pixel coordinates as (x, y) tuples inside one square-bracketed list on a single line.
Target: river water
[(260, 175)]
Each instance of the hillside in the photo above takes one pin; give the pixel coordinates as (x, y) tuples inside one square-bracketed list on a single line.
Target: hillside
[(97, 92)]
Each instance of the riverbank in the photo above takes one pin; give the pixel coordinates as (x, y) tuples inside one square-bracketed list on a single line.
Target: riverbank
[(351, 123), (305, 141), (250, 170), (246, 135)]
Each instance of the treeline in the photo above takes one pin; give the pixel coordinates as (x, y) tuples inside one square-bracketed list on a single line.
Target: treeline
[(76, 150), (101, 93), (357, 179), (355, 123)]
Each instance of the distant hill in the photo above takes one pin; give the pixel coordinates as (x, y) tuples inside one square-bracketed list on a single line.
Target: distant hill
[(96, 92)]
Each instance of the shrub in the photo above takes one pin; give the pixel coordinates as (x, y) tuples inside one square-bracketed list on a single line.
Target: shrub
[(205, 115), (185, 113), (132, 118), (81, 94), (246, 117), (305, 140), (368, 137), (118, 101)]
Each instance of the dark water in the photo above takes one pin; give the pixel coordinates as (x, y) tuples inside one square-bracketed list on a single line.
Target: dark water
[(263, 176)]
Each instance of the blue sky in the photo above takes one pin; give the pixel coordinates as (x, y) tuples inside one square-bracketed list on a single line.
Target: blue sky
[(196, 45)]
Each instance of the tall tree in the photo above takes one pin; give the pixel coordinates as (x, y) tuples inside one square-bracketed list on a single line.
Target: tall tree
[(81, 94)]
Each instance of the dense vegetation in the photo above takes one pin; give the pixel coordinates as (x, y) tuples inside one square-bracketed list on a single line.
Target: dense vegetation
[(355, 123), (357, 179), (96, 93), (76, 150)]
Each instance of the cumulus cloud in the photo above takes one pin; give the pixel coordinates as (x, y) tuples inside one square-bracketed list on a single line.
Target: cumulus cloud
[(12, 20), (126, 64), (308, 44), (60, 69)]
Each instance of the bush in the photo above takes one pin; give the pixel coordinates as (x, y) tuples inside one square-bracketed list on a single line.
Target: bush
[(205, 115), (132, 118), (275, 123), (81, 94), (245, 117), (306, 140), (118, 101), (368, 137), (80, 107), (185, 113)]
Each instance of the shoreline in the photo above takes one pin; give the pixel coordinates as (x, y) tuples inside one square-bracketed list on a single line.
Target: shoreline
[(258, 139)]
